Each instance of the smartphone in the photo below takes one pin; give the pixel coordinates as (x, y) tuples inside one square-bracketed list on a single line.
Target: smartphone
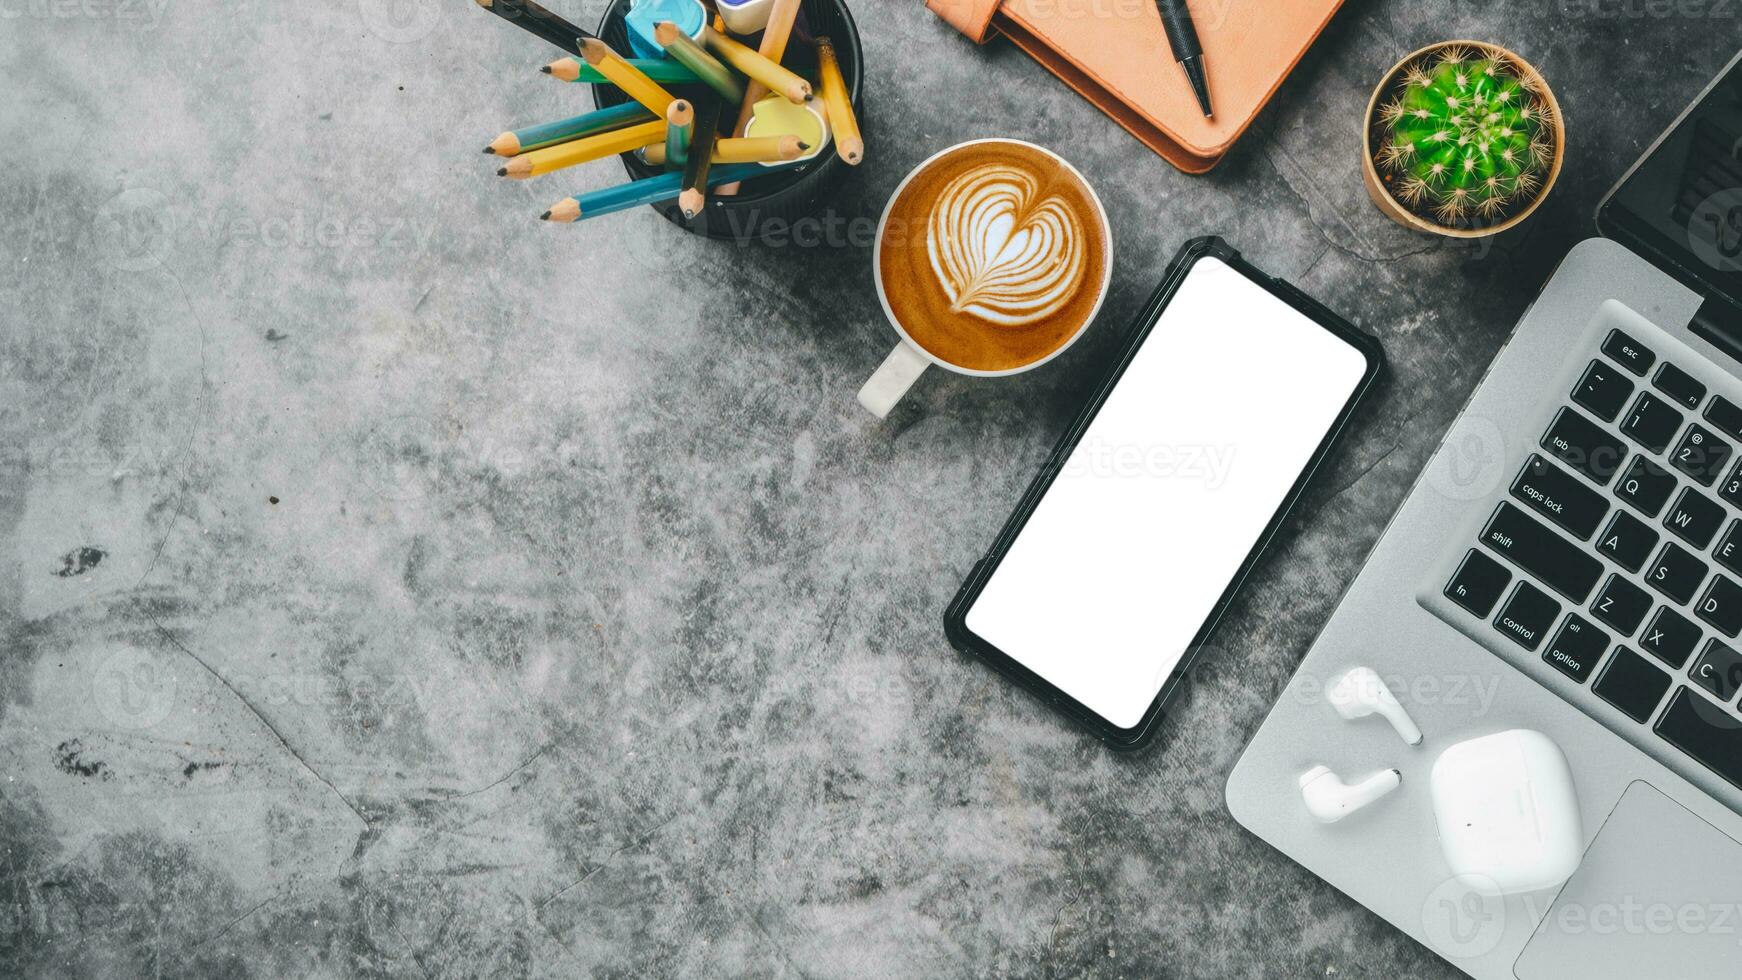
[(1159, 499)]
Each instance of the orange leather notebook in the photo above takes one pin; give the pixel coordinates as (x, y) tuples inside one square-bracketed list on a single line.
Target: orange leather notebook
[(1115, 54)]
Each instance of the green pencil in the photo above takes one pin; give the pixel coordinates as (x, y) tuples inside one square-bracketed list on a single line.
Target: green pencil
[(663, 70), (682, 48), (680, 118), (563, 130), (695, 175)]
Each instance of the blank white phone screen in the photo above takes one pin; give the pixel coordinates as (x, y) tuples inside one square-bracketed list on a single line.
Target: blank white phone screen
[(1169, 489)]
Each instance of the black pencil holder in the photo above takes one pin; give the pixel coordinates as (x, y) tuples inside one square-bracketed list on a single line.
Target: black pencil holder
[(764, 206)]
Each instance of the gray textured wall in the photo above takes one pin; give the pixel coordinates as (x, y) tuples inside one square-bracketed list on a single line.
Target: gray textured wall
[(397, 587)]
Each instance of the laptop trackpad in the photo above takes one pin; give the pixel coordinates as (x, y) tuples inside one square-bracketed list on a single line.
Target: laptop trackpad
[(1659, 895)]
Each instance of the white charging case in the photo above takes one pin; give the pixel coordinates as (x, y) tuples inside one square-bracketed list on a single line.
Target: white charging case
[(1507, 812)]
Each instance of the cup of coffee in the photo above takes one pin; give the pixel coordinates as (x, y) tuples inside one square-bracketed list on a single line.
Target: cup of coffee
[(992, 257)]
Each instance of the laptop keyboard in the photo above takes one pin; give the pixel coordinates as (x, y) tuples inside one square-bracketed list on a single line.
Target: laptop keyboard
[(1616, 554)]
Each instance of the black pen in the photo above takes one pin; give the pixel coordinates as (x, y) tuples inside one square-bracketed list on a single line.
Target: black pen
[(1183, 39)]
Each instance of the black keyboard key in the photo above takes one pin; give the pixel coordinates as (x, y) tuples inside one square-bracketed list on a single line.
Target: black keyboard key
[(1718, 670), (1679, 385), (1559, 496), (1676, 573), (1694, 518), (1731, 489), (1628, 541), (1721, 606), (1631, 683), (1477, 583), (1621, 604), (1645, 485), (1651, 422), (1729, 550), (1669, 637), (1628, 353), (1524, 541), (1603, 391), (1527, 615), (1712, 735), (1576, 648), (1701, 455), (1725, 414), (1584, 446)]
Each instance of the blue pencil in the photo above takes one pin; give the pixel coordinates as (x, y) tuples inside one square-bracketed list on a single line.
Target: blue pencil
[(652, 190), (563, 130)]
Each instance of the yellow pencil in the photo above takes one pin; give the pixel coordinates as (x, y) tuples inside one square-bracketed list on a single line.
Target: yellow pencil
[(580, 151), (759, 149), (626, 76), (839, 102), (774, 77), (773, 47)]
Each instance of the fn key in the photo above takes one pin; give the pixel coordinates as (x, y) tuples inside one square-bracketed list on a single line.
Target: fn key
[(1477, 584)]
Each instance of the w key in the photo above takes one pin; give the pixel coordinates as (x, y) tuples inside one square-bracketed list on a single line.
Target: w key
[(1722, 606)]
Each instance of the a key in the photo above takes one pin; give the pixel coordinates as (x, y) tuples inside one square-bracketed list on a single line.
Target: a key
[(1628, 353), (1527, 615), (1527, 543), (1645, 485), (1731, 488), (1477, 583), (1694, 518), (1676, 573), (1726, 416), (1728, 553), (1709, 733), (1651, 422), (1628, 541), (1700, 454), (1631, 683), (1576, 648), (1721, 605), (1679, 385), (1584, 446), (1621, 604), (1718, 670), (1669, 637), (1559, 496), (1602, 391)]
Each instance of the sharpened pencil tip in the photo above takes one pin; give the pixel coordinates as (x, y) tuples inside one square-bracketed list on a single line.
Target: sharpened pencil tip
[(502, 172), (490, 150), (545, 69), (545, 216)]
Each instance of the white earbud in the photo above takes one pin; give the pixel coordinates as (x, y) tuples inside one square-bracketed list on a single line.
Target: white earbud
[(1329, 799), (1360, 693)]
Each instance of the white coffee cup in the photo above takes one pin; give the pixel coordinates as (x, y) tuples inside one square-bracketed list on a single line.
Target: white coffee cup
[(909, 360)]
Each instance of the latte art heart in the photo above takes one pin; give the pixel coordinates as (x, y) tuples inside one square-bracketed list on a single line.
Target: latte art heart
[(1000, 254)]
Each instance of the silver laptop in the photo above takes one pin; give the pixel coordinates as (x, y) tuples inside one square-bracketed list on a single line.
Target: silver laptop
[(1571, 562)]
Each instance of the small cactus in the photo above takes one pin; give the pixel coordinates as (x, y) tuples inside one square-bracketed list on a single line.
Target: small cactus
[(1465, 137)]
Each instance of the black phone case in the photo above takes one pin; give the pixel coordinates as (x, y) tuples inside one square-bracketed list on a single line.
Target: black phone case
[(955, 626)]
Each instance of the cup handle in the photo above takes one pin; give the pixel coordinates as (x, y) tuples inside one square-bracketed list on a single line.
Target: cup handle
[(898, 372)]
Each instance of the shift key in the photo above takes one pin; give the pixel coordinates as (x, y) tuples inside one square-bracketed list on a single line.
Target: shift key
[(1559, 496), (1583, 445), (1527, 543)]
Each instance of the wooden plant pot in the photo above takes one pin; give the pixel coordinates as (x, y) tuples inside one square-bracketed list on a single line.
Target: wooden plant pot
[(1375, 181)]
